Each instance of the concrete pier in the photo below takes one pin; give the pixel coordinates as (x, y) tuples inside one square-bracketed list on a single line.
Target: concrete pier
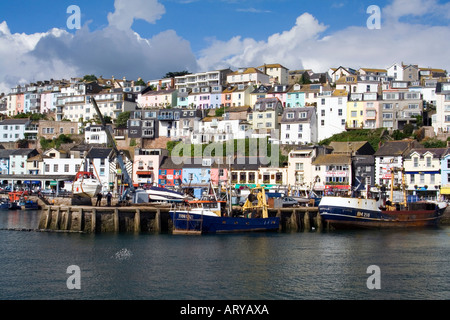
[(148, 219)]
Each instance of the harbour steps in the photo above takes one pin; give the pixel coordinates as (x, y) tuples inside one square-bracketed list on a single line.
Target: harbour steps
[(149, 219)]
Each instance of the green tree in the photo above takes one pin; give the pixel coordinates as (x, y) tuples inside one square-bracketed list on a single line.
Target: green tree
[(89, 78), (176, 74), (140, 82), (122, 119)]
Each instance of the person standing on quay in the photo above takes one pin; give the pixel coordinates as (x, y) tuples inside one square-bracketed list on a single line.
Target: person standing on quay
[(108, 199), (99, 199)]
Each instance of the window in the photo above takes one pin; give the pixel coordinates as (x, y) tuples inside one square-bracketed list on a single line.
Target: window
[(66, 168), (412, 178), (416, 162), (422, 178), (428, 162), (55, 168), (371, 113)]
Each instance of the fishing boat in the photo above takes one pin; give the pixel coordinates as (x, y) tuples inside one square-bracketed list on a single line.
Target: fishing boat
[(30, 205), (18, 200), (157, 194), (4, 204), (209, 215), (347, 212), (342, 212), (86, 185)]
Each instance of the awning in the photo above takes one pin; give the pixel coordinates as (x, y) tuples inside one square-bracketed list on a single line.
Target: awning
[(445, 190), (252, 186), (144, 173)]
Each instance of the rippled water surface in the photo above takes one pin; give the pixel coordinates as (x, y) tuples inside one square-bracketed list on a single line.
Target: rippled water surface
[(281, 266)]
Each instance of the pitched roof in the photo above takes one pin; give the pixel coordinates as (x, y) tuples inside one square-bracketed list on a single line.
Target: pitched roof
[(436, 152), (246, 71), (298, 112), (397, 148), (351, 147), (331, 159), (273, 65), (14, 121), (101, 153)]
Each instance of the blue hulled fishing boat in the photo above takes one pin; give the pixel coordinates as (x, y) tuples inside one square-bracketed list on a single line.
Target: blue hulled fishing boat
[(209, 215)]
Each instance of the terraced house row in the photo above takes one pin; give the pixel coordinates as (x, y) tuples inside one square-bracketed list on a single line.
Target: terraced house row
[(341, 167), (291, 106)]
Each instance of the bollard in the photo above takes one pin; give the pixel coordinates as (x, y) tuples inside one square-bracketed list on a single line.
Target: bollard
[(137, 221), (157, 224), (116, 220), (319, 221), (94, 220), (306, 221)]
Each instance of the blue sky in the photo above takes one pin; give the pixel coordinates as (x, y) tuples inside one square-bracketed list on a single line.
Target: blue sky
[(194, 20), (170, 35)]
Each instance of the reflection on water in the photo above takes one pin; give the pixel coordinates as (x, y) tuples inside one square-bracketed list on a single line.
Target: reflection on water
[(16, 219), (305, 265)]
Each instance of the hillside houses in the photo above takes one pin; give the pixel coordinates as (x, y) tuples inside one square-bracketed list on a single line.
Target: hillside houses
[(296, 108)]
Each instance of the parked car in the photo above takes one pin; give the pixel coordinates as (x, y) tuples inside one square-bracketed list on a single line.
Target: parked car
[(289, 202)]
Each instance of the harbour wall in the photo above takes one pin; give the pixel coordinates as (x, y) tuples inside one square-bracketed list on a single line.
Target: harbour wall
[(61, 215), (147, 219)]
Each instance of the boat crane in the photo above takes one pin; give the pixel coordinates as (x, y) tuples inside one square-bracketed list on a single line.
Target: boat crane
[(130, 190)]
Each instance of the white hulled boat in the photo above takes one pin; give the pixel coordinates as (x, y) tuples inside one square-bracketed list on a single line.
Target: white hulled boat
[(86, 185)]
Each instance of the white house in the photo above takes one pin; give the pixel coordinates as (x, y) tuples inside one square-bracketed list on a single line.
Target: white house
[(441, 120), (299, 126), (18, 160), (331, 114), (395, 71), (95, 134), (12, 130), (100, 159), (247, 76), (212, 129)]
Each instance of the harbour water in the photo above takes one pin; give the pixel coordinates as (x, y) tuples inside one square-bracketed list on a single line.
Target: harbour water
[(327, 265)]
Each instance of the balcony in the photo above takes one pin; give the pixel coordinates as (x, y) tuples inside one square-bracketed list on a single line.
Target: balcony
[(167, 117)]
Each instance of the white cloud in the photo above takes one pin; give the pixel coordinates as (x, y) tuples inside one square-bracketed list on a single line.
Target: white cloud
[(416, 8), (126, 11), (114, 50), (285, 48), (306, 46)]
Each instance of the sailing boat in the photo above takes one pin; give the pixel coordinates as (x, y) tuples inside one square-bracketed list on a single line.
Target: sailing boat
[(86, 185)]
